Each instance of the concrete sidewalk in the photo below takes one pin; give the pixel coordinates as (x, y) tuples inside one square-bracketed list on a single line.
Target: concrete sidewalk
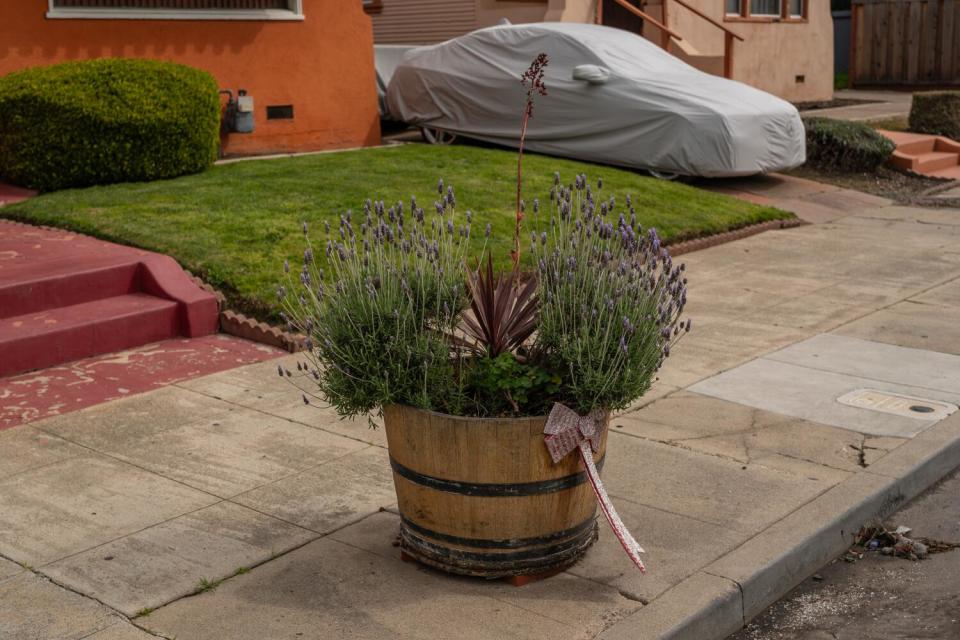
[(738, 472), (884, 106)]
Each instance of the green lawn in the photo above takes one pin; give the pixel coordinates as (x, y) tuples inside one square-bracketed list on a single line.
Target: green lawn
[(235, 224)]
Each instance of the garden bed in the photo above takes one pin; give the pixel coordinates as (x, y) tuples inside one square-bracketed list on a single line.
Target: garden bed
[(816, 105), (901, 187), (235, 224)]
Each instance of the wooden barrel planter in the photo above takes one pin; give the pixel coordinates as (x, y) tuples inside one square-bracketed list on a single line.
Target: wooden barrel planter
[(481, 496)]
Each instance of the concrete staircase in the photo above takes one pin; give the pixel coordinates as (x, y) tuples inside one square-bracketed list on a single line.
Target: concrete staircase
[(712, 64), (64, 297), (927, 155)]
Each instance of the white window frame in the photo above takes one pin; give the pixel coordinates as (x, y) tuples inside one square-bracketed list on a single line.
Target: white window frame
[(294, 13)]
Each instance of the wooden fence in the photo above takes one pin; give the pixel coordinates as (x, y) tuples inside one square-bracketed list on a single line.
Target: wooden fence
[(905, 42)]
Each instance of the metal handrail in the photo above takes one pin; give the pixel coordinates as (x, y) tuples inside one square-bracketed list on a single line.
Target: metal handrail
[(708, 19), (729, 36), (640, 14)]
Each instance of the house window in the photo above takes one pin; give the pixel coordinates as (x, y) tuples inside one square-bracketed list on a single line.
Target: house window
[(177, 9), (765, 7), (372, 6), (766, 10)]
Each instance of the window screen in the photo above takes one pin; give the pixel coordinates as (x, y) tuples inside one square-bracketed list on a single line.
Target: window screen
[(733, 7), (796, 8)]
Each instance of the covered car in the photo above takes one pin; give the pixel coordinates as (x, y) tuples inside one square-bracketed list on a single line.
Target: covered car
[(614, 97)]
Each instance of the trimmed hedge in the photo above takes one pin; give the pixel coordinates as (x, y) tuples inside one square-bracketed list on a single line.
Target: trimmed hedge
[(936, 112), (845, 146), (108, 120)]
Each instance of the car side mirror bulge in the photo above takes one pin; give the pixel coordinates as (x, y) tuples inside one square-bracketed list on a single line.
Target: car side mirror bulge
[(591, 73)]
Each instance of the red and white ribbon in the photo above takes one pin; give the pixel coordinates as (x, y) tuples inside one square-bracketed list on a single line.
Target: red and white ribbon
[(565, 431)]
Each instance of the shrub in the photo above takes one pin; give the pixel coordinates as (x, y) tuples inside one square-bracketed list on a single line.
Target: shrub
[(936, 112), (109, 120), (845, 146)]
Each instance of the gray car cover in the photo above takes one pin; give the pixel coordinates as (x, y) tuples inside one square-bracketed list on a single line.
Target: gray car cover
[(614, 97)]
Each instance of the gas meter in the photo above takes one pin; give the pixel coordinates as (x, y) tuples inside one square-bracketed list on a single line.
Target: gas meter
[(239, 113)]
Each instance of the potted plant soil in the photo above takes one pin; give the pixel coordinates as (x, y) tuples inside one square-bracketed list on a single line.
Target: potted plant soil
[(495, 388)]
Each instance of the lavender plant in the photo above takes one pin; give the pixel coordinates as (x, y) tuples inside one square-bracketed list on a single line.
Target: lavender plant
[(377, 326), (610, 299)]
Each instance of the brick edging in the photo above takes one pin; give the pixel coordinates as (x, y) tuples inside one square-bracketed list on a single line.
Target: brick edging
[(724, 237), (241, 326)]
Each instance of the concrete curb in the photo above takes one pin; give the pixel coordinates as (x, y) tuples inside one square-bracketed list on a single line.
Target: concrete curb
[(765, 567)]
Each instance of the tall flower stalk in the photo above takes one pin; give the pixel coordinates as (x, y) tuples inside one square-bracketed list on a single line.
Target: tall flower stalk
[(532, 80)]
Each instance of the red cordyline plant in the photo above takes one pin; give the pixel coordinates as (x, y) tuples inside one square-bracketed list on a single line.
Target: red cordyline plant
[(503, 309)]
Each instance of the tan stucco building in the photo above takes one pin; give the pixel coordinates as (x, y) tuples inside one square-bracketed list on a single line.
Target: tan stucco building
[(787, 46)]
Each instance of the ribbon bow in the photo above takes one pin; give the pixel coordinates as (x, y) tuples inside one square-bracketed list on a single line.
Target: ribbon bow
[(565, 431)]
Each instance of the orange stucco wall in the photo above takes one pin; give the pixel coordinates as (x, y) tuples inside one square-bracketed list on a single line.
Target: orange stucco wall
[(322, 65)]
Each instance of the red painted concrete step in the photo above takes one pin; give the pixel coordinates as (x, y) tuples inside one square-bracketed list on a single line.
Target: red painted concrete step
[(65, 296), (53, 336), (83, 383), (41, 290), (934, 161), (10, 194), (925, 154)]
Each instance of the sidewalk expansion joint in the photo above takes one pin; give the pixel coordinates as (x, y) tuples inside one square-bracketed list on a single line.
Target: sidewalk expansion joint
[(122, 617), (681, 444), (630, 596), (275, 416)]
